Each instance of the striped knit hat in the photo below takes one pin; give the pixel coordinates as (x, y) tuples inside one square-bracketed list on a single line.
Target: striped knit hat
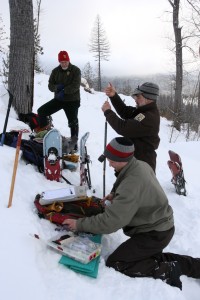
[(120, 149)]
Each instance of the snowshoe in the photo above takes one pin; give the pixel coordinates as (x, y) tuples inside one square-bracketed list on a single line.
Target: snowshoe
[(175, 166), (85, 178), (52, 151)]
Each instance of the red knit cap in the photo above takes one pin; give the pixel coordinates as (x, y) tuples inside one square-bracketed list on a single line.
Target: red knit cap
[(120, 149), (63, 56)]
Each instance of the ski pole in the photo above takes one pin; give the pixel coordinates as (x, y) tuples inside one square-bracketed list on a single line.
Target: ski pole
[(104, 163), (6, 120), (15, 166)]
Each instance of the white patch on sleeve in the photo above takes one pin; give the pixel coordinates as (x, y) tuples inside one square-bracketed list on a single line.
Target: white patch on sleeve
[(139, 117)]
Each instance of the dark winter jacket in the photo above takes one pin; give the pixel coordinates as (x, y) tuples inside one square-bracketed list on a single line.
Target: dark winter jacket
[(140, 124), (139, 204), (70, 78)]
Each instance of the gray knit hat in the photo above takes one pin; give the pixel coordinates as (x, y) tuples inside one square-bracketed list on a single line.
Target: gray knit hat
[(148, 89), (119, 149)]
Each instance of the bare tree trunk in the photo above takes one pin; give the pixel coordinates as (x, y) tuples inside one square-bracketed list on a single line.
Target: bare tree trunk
[(198, 94), (99, 75), (179, 64), (21, 60), (198, 103)]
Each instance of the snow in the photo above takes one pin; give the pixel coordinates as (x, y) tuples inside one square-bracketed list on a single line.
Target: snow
[(30, 270)]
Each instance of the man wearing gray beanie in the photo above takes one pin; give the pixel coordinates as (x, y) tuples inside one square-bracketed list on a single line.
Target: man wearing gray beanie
[(139, 206), (141, 123)]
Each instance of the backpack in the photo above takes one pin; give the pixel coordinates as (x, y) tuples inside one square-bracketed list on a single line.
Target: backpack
[(32, 120), (58, 212), (10, 138), (32, 152)]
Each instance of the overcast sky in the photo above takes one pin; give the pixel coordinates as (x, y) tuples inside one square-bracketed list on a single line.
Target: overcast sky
[(136, 31)]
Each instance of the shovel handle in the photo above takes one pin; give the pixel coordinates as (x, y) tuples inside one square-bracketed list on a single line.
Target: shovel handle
[(15, 168)]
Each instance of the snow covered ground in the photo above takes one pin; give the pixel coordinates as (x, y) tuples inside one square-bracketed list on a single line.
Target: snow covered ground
[(31, 271)]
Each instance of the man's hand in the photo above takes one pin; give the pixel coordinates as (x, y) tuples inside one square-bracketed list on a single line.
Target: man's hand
[(59, 87), (71, 224), (107, 200), (110, 90), (60, 95), (106, 106)]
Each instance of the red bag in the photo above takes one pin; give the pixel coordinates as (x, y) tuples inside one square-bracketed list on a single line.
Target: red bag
[(57, 212)]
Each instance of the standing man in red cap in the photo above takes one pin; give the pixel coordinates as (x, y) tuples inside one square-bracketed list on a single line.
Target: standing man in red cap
[(64, 82)]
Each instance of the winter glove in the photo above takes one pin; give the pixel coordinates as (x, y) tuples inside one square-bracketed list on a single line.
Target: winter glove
[(59, 87), (60, 95)]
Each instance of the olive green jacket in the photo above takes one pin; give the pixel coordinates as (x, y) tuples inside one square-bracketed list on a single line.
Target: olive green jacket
[(70, 78), (139, 204)]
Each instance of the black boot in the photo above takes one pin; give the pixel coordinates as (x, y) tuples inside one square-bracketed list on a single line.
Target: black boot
[(190, 266), (74, 132), (169, 272)]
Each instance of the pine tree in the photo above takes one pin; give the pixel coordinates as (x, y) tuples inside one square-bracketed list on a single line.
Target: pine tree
[(99, 45), (88, 74)]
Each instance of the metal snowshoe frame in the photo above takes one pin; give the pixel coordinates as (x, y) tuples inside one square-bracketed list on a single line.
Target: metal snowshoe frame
[(85, 177), (178, 179), (52, 152)]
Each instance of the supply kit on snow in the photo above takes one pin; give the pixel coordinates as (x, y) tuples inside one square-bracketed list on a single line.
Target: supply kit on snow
[(86, 261), (80, 251), (79, 247)]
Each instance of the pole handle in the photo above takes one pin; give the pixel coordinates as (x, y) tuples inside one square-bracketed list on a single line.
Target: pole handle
[(104, 163)]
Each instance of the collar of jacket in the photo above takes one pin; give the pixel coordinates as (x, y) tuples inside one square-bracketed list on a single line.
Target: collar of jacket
[(131, 163), (147, 107)]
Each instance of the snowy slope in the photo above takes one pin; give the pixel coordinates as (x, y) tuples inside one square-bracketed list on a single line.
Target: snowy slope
[(31, 271)]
